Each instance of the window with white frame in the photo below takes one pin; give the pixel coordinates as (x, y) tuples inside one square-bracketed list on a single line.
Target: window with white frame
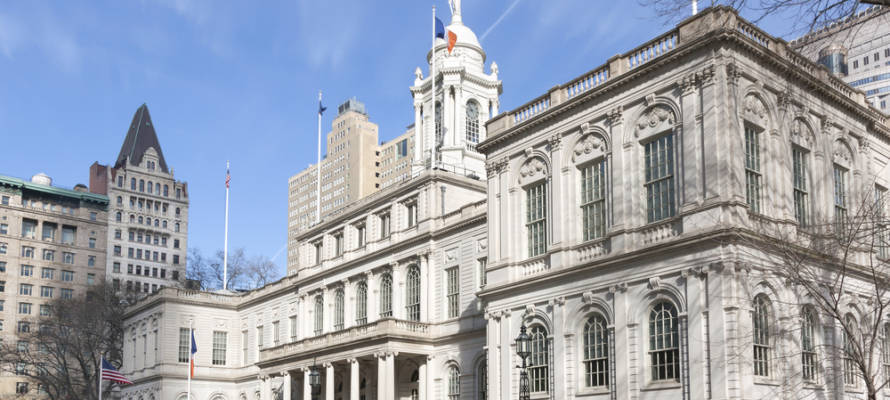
[(472, 124), (664, 342), (536, 218), (361, 235), (361, 303), (480, 267), (385, 295), (596, 352), (453, 383), (849, 362), (840, 196), (319, 315), (801, 193), (659, 178), (276, 333), (808, 326), (482, 379), (593, 200), (384, 225), (219, 348), (260, 338), (293, 328), (184, 341), (761, 322), (452, 297), (338, 244), (339, 309), (753, 176), (411, 211), (244, 347), (539, 360), (412, 294), (319, 251)]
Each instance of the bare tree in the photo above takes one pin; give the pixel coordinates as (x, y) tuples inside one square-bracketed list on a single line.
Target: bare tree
[(244, 273), (839, 267), (60, 349), (811, 14)]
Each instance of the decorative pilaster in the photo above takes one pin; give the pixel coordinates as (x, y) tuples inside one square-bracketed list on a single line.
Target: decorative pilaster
[(329, 384), (353, 378)]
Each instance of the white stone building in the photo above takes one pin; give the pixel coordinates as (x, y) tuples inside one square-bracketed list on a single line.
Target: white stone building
[(608, 227)]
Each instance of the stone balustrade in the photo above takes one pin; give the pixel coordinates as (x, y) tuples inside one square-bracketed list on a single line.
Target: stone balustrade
[(383, 328)]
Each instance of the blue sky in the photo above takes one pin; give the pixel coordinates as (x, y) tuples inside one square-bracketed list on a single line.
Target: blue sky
[(239, 80)]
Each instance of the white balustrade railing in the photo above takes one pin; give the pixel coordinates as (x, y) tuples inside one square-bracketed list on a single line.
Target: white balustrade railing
[(534, 266), (587, 82), (658, 232), (652, 50), (531, 109), (589, 251)]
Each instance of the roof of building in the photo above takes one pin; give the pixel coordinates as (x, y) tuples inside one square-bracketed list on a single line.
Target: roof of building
[(140, 137), (52, 190)]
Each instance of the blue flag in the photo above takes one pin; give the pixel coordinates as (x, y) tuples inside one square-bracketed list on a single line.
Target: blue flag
[(321, 108), (440, 28)]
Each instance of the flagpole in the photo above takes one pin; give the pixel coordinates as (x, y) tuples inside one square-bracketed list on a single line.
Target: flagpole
[(433, 93), (189, 369), (100, 377), (318, 167), (226, 236)]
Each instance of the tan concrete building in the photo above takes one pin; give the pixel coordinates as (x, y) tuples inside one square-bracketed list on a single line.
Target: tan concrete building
[(52, 245), (395, 159), (349, 170), (148, 216)]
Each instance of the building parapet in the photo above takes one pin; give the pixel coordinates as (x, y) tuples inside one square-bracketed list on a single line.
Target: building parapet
[(707, 23)]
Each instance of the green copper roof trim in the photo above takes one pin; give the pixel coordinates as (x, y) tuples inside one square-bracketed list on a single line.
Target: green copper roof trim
[(84, 196)]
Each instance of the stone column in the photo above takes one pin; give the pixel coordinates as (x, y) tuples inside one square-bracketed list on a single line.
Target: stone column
[(391, 376), (381, 376), (418, 133), (448, 118), (423, 261), (265, 388), (373, 296), (285, 389), (348, 304), (353, 379), (307, 389), (559, 342), (493, 347), (421, 384), (329, 384)]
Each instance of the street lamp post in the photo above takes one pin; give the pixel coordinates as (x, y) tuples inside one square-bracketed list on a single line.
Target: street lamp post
[(315, 382), (523, 350)]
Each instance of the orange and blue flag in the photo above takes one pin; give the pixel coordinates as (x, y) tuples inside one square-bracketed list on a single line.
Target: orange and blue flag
[(192, 362), (440, 33)]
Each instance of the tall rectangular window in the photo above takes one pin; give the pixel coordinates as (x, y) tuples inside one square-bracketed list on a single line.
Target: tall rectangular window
[(593, 200), (29, 228), (659, 167), (338, 241), (384, 225), (219, 348), (276, 332), (753, 175), (360, 233), (244, 347), (452, 297), (319, 251), (259, 337), (840, 196), (184, 341), (536, 218), (412, 214), (801, 194), (293, 328), (480, 264), (69, 234)]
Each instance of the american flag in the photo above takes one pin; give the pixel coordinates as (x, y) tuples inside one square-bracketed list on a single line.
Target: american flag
[(109, 373), (228, 177)]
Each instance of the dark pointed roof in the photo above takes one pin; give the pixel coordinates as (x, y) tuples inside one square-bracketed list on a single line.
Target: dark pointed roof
[(140, 137)]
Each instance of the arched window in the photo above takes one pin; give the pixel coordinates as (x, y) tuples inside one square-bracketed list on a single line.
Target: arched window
[(141, 185), (800, 171), (472, 124), (453, 383), (150, 186), (753, 175), (120, 201), (117, 217), (140, 220), (164, 224), (482, 379), (386, 296), (176, 227), (339, 309), (438, 124), (593, 199), (539, 360), (120, 181), (808, 344), (850, 369), (361, 303), (761, 323), (147, 221), (596, 352), (319, 315), (132, 183), (132, 218), (412, 294), (536, 218), (664, 342), (158, 189)]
